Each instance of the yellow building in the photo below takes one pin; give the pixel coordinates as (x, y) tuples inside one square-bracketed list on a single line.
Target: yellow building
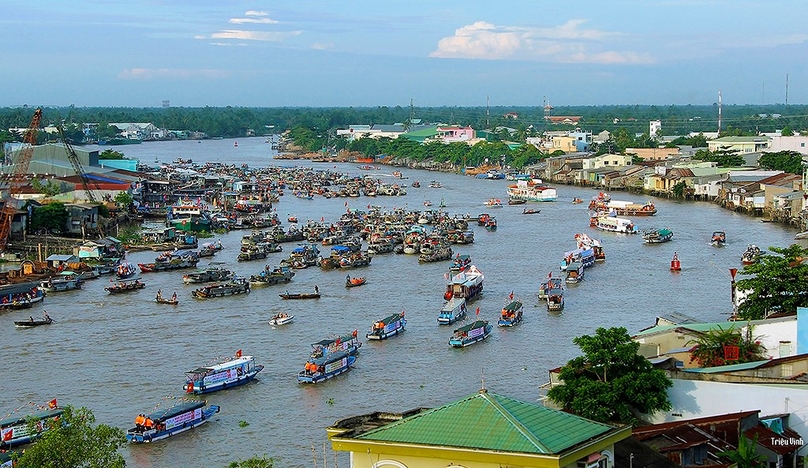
[(482, 430)]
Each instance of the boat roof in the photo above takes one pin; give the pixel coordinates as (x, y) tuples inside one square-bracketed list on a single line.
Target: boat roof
[(472, 326), (18, 288), (513, 306), (390, 319), (329, 341), (225, 365), (14, 420), (176, 410), (453, 303), (330, 357), (341, 248)]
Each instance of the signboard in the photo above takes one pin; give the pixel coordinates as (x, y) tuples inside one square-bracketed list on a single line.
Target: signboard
[(183, 418), (333, 366), (731, 353), (476, 332)]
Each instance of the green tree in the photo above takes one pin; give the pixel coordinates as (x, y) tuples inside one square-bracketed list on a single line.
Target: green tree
[(788, 161), (787, 131), (73, 441), (49, 188), (745, 456), (778, 282), (124, 200), (611, 382), (254, 462), (709, 347), (52, 217), (679, 189), (111, 154)]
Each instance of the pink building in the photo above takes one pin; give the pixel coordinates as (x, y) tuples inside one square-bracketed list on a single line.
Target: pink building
[(454, 133)]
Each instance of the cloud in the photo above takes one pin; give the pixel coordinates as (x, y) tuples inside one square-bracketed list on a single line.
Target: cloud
[(565, 43), (170, 73), (241, 34), (322, 46), (254, 17)]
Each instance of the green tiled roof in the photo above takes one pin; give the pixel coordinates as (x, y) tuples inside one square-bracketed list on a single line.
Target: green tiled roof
[(487, 421)]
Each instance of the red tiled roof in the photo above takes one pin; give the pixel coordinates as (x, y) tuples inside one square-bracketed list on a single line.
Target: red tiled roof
[(782, 444)]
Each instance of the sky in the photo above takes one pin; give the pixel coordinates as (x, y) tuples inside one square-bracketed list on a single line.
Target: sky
[(360, 53)]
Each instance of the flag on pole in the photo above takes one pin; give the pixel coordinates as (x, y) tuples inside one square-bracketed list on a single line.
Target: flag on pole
[(52, 404), (238, 353), (549, 275), (478, 311), (8, 434), (511, 296), (322, 218), (346, 203)]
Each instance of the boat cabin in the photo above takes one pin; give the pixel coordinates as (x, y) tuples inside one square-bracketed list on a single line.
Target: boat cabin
[(15, 430)]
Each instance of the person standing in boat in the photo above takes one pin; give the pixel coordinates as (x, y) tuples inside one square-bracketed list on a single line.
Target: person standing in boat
[(174, 297), (317, 290), (47, 317), (159, 294)]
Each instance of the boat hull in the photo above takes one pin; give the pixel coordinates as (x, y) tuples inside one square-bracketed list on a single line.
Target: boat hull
[(455, 343), (201, 389), (145, 438), (304, 378)]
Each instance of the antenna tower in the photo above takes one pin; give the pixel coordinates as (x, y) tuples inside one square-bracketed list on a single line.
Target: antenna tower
[(786, 88), (487, 113), (719, 111)]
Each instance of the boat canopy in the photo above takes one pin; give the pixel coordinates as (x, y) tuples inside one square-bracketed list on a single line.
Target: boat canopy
[(472, 326), (341, 249), (513, 306), (390, 319), (330, 357), (218, 367), (330, 341), (15, 420), (162, 415)]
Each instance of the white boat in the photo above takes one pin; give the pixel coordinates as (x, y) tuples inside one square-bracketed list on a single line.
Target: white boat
[(614, 224), (532, 190), (232, 373), (453, 310), (281, 319), (467, 284)]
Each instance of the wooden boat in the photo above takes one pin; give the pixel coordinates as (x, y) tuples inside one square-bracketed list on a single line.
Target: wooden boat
[(551, 283), (227, 374), (718, 239), (530, 211), (323, 368), (125, 286), (354, 282), (65, 281), (16, 430), (467, 284), (348, 343), (281, 318), (162, 300), (279, 274), (469, 334), (20, 296), (288, 295), (125, 270), (168, 261), (493, 203), (514, 201), (624, 208), (170, 421), (511, 313), (491, 224), (30, 323), (532, 190), (555, 299), (751, 255), (235, 286), (208, 275), (575, 273), (657, 236), (387, 327), (482, 218), (576, 201)]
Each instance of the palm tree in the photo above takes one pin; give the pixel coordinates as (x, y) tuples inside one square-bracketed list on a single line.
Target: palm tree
[(710, 348), (745, 456)]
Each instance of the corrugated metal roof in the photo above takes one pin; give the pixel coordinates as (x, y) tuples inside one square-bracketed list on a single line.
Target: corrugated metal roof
[(727, 368), (491, 422)]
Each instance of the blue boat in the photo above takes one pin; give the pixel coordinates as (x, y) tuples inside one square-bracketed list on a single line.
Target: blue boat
[(585, 256), (234, 372), (511, 314), (575, 273), (325, 367), (387, 327), (469, 334), (453, 310), (170, 421), (15, 430), (345, 343)]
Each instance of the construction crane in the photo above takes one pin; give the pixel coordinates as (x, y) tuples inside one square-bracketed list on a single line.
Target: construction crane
[(17, 177), (79, 169)]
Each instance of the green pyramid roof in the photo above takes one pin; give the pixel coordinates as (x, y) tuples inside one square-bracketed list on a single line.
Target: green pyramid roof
[(491, 422)]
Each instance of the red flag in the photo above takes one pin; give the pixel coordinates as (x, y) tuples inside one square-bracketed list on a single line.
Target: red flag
[(511, 296), (52, 404), (322, 218), (238, 353), (478, 311), (355, 333), (8, 435), (549, 275), (346, 203), (368, 206)]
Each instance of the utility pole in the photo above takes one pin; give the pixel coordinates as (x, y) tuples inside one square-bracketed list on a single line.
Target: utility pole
[(786, 88), (487, 114)]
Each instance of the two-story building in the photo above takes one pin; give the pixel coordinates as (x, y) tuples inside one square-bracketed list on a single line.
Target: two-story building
[(741, 144)]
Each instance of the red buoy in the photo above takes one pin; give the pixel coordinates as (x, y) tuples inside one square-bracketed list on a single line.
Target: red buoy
[(675, 265)]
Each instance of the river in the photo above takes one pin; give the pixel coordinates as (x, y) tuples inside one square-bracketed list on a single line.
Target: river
[(122, 355)]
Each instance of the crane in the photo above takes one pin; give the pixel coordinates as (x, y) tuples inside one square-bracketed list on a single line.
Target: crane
[(79, 169), (16, 178)]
